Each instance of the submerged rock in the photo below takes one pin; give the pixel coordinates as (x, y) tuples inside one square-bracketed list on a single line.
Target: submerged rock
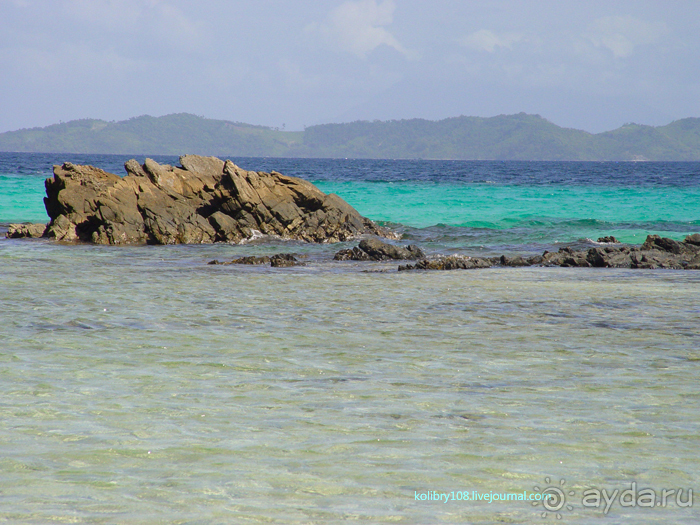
[(283, 260), (204, 200), (26, 230), (279, 260), (450, 262), (376, 250), (251, 259)]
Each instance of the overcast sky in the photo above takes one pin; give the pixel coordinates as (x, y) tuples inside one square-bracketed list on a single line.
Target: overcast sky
[(586, 64)]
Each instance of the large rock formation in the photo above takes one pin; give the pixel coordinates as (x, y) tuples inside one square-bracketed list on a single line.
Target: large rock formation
[(204, 200)]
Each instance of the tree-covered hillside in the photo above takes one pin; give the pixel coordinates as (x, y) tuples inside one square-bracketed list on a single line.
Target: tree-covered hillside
[(169, 135), (515, 137), (505, 137)]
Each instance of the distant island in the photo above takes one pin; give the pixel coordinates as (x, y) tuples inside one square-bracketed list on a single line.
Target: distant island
[(504, 137)]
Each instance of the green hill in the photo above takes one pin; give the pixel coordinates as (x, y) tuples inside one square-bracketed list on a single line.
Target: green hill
[(505, 137), (512, 137), (168, 135)]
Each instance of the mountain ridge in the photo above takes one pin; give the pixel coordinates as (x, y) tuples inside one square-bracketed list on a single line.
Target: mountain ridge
[(503, 137)]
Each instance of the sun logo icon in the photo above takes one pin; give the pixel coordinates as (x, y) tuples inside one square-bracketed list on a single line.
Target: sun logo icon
[(556, 498)]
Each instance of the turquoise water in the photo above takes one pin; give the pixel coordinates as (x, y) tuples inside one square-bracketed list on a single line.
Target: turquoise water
[(488, 206), (529, 214), (141, 385), (21, 198), (564, 213)]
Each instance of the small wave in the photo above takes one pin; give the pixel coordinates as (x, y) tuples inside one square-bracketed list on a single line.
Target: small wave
[(591, 241), (256, 235)]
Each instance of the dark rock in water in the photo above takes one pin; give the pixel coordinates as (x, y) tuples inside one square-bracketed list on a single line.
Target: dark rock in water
[(608, 239), (575, 262), (376, 250), (26, 230), (655, 242), (451, 262), (279, 260), (535, 260), (655, 260), (656, 252), (693, 239), (353, 254), (553, 258), (381, 251), (609, 258), (514, 261), (284, 260), (204, 200), (251, 259)]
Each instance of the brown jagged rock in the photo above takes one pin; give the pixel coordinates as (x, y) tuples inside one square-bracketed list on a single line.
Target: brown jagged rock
[(25, 230), (203, 200)]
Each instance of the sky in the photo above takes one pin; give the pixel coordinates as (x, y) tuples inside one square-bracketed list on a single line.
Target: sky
[(584, 64)]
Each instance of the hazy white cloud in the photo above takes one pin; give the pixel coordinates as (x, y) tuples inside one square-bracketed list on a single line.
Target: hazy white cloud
[(584, 64), (486, 40), (359, 27), (154, 18), (621, 34)]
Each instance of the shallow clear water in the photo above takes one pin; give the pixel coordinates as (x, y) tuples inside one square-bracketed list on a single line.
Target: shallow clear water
[(141, 385)]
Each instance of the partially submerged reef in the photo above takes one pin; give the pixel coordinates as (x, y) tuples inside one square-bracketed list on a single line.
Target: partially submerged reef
[(656, 252), (208, 200)]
